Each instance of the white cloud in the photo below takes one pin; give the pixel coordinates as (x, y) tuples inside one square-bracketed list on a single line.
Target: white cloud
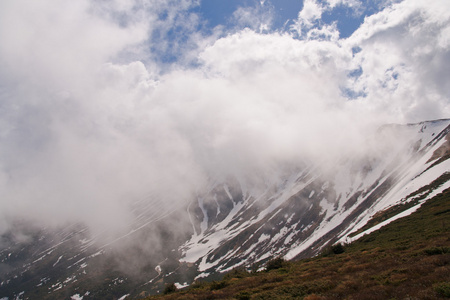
[(258, 18), (403, 60), (62, 39), (80, 139), (311, 11), (88, 121), (309, 23), (355, 4)]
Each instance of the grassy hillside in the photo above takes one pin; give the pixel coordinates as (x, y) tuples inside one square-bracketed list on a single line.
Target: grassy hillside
[(407, 259)]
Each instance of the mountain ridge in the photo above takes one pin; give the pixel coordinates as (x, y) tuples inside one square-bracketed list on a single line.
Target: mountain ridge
[(231, 225), (408, 257)]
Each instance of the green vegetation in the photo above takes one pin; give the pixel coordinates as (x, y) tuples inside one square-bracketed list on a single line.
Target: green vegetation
[(170, 288), (334, 249), (276, 263), (443, 289), (411, 200), (407, 259)]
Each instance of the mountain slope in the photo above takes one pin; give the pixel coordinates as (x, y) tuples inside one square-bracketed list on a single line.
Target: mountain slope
[(234, 223), (408, 258), (312, 209)]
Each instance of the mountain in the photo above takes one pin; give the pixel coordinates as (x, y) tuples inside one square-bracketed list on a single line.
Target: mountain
[(408, 258), (234, 223)]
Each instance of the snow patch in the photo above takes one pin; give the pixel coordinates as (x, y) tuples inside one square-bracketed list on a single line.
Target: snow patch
[(227, 190), (202, 275), (69, 279), (180, 286), (218, 205), (263, 237), (289, 238), (57, 261), (158, 269), (204, 224), (97, 253)]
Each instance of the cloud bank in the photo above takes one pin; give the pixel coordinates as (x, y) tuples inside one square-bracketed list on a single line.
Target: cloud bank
[(108, 102)]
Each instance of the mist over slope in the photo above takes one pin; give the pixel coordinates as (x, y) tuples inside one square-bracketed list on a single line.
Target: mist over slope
[(237, 222), (94, 117), (407, 257), (316, 205), (118, 117)]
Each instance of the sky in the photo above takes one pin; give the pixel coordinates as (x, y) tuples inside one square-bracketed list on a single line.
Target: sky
[(103, 102)]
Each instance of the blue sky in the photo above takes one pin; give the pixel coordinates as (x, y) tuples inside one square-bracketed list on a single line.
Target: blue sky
[(228, 16), (285, 12), (219, 12)]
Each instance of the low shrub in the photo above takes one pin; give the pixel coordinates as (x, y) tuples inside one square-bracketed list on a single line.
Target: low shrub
[(198, 285), (236, 273), (217, 285), (334, 249), (170, 288), (437, 250), (276, 263), (443, 289), (243, 296), (338, 248)]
